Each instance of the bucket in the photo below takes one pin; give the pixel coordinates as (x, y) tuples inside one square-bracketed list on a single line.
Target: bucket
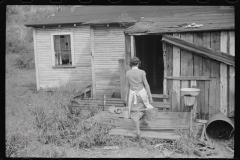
[(125, 113), (219, 127), (151, 114)]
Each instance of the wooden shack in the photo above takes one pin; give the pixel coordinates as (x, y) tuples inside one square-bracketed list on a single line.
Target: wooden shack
[(86, 44), (176, 57)]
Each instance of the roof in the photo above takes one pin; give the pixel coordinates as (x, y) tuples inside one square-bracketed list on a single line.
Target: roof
[(202, 51), (91, 15), (212, 20)]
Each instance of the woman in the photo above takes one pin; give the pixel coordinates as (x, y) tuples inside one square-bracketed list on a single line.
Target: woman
[(138, 93)]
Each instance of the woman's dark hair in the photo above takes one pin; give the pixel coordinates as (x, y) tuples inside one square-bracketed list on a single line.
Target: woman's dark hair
[(134, 61)]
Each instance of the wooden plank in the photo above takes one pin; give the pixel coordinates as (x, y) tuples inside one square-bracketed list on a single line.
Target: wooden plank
[(186, 65), (93, 63), (147, 134), (132, 46), (161, 104), (169, 62), (223, 74), (206, 72), (217, 44), (202, 78), (176, 72), (197, 70), (36, 57), (163, 96), (231, 99), (157, 123), (122, 77), (160, 115), (202, 51)]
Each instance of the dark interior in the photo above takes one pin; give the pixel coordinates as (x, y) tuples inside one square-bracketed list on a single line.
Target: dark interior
[(149, 51)]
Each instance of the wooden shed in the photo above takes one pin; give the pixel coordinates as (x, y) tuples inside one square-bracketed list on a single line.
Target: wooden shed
[(177, 56), (86, 43)]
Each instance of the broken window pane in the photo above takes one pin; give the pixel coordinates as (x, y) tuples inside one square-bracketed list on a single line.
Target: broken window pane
[(62, 48)]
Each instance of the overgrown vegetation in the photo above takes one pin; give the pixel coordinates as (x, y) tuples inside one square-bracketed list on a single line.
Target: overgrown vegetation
[(19, 39)]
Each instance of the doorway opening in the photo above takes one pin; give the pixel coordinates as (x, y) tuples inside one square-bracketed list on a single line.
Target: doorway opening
[(149, 51)]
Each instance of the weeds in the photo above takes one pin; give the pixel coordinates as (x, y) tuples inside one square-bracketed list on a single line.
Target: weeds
[(65, 127), (14, 144)]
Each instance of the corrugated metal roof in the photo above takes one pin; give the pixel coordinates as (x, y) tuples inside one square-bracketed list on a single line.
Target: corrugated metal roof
[(209, 20), (202, 51), (117, 14)]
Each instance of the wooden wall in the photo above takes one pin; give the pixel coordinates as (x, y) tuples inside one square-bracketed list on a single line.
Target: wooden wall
[(109, 47), (53, 77), (217, 94)]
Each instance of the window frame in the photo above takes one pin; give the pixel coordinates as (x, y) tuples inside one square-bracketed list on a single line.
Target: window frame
[(53, 51)]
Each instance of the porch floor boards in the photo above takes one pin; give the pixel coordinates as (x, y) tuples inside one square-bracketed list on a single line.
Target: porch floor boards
[(162, 128)]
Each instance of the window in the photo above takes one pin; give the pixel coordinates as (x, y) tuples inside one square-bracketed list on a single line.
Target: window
[(62, 49)]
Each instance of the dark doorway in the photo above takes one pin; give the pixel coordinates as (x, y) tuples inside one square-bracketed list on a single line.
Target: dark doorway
[(149, 50)]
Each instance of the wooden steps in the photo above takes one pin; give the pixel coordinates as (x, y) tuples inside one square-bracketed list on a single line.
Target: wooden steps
[(164, 106), (147, 134)]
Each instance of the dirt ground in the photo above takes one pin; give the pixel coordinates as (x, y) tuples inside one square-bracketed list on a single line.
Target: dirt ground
[(20, 88)]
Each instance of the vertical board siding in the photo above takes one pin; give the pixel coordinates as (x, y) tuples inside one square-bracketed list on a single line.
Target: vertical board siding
[(206, 72), (214, 99), (231, 75), (186, 66), (176, 73), (109, 47), (223, 74), (215, 93), (53, 77), (198, 71)]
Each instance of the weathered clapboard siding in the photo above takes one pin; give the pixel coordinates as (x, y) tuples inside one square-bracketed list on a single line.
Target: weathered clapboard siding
[(53, 77), (216, 93), (109, 47)]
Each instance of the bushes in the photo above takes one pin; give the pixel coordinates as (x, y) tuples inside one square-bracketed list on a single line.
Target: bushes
[(20, 61), (25, 60)]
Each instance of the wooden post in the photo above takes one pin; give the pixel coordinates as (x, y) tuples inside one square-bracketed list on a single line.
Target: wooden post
[(165, 71), (93, 64), (127, 51), (133, 47), (122, 72), (36, 57), (154, 62), (223, 75), (176, 72)]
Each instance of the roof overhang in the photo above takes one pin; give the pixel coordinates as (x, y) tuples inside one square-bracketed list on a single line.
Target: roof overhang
[(200, 50)]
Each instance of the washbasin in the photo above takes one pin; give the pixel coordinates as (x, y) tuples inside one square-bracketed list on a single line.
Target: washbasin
[(190, 91)]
